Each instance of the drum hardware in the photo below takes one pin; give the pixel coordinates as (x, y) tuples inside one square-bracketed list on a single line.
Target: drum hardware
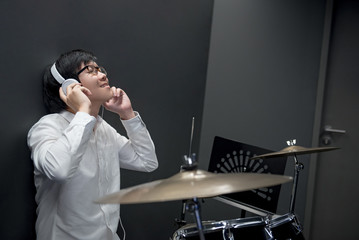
[(277, 227), (249, 228), (246, 207), (192, 183), (194, 208), (213, 230), (190, 163), (294, 150), (297, 168), (241, 228), (286, 227), (180, 222)]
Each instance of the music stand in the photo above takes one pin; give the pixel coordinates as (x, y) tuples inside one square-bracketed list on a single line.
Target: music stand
[(231, 156)]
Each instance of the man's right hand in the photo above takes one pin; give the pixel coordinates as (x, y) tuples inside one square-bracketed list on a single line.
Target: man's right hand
[(76, 98)]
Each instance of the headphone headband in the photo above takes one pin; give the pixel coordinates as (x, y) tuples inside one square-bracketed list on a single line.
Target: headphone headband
[(56, 74)]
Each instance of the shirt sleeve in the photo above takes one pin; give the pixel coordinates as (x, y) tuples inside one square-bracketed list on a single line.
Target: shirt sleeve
[(138, 153), (57, 147)]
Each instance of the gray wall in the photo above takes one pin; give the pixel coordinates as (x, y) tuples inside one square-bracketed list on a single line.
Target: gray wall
[(156, 50), (261, 84)]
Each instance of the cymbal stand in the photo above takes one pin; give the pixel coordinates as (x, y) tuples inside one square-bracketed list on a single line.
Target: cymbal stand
[(297, 168), (190, 163), (181, 221), (194, 207)]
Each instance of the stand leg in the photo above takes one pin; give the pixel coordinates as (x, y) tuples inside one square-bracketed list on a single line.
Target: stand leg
[(181, 221), (194, 207)]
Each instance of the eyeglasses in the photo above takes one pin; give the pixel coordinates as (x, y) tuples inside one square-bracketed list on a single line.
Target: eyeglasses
[(91, 69)]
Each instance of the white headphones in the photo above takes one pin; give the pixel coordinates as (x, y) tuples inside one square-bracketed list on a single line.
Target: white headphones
[(62, 80)]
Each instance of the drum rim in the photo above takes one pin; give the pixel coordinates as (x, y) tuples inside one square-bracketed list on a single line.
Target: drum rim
[(207, 226), (190, 229), (289, 217), (246, 222)]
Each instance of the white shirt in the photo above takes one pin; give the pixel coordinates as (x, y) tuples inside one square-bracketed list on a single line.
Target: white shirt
[(77, 160)]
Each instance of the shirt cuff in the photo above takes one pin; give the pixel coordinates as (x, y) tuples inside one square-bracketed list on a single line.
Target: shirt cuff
[(134, 123), (85, 119)]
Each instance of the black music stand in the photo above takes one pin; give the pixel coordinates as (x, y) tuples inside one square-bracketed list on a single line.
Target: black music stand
[(231, 156)]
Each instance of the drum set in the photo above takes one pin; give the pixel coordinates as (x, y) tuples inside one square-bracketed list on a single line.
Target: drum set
[(192, 184)]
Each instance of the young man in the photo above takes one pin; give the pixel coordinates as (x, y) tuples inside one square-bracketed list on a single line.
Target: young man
[(77, 155)]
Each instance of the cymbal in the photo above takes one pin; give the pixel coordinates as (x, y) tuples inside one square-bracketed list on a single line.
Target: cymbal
[(194, 183), (295, 150)]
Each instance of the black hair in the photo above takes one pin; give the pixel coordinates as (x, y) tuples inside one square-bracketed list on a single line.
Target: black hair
[(68, 64)]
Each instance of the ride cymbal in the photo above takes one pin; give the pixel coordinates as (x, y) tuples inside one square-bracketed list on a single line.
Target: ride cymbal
[(194, 183), (294, 150)]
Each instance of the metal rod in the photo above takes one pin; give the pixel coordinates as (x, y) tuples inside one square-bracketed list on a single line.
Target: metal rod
[(297, 168), (191, 139), (198, 218)]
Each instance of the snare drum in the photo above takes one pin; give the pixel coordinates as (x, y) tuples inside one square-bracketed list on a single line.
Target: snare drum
[(212, 231), (286, 227), (248, 229)]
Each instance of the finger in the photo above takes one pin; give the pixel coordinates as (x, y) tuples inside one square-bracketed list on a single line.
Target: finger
[(113, 89), (119, 92), (62, 94), (122, 93), (86, 91), (70, 87)]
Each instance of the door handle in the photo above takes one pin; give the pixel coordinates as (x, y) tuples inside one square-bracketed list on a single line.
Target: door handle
[(329, 129), (327, 134)]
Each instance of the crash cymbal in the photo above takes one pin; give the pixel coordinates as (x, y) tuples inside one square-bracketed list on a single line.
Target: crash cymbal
[(295, 150), (194, 183)]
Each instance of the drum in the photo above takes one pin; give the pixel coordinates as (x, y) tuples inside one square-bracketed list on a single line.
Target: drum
[(235, 229), (248, 229), (286, 227), (212, 231)]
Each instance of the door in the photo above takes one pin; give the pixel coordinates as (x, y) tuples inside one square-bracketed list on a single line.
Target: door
[(336, 196)]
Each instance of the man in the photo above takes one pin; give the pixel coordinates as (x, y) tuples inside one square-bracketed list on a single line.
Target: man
[(77, 155)]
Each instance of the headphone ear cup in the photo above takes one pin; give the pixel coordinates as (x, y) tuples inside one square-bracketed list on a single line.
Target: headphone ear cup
[(66, 83)]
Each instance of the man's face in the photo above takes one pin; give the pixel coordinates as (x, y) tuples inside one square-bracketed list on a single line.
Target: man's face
[(94, 78)]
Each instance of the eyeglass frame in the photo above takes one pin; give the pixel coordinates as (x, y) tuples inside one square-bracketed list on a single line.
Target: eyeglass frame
[(97, 69)]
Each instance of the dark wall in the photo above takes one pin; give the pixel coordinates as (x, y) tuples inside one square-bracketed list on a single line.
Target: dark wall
[(262, 82), (156, 51)]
